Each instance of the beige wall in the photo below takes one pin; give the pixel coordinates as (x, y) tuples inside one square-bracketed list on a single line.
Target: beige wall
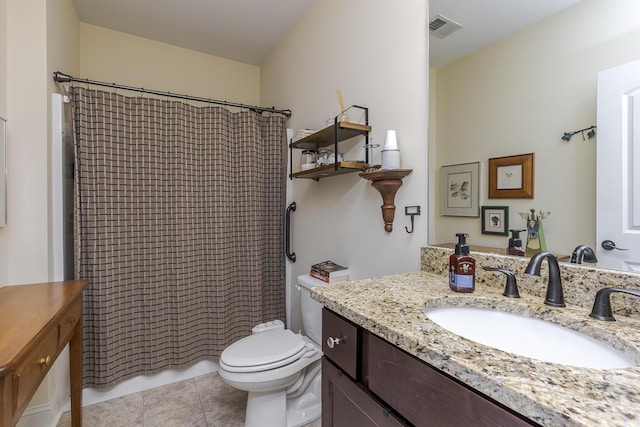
[(112, 56), (3, 58), (25, 236), (376, 52), (520, 95), (3, 114)]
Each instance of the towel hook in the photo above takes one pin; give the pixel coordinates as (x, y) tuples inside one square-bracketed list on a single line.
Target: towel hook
[(412, 211)]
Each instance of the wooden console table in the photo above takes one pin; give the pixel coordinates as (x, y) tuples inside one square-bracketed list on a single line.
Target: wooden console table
[(36, 323)]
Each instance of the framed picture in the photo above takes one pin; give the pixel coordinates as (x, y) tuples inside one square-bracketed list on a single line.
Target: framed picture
[(459, 190), (495, 220), (511, 177)]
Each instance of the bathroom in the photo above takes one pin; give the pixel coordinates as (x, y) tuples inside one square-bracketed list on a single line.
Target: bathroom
[(337, 218)]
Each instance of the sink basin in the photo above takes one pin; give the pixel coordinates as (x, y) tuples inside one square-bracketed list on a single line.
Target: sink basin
[(529, 337)]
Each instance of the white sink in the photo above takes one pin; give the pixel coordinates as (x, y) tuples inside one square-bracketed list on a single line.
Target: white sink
[(529, 337)]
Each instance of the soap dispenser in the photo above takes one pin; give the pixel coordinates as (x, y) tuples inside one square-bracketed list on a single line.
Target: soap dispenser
[(515, 244), (462, 267)]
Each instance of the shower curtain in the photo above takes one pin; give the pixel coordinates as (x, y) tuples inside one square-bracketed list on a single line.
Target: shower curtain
[(178, 228)]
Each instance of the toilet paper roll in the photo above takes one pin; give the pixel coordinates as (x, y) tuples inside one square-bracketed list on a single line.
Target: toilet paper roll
[(390, 141), (390, 159)]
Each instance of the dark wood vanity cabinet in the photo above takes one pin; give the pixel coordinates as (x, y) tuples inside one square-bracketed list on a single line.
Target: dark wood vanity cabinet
[(367, 381)]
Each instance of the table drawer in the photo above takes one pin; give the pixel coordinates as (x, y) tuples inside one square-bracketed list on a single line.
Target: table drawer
[(68, 322), (340, 342), (32, 369)]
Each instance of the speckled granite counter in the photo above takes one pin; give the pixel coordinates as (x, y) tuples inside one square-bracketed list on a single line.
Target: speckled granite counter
[(550, 394)]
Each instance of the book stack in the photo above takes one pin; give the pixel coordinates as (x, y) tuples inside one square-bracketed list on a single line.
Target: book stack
[(330, 272)]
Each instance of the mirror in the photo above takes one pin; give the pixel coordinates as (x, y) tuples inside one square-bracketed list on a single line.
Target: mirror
[(520, 95)]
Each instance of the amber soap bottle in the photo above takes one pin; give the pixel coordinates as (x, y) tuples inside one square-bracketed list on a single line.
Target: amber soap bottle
[(515, 243), (462, 267)]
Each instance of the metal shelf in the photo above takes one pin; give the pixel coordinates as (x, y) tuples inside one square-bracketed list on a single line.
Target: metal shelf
[(327, 136), (332, 136), (331, 170)]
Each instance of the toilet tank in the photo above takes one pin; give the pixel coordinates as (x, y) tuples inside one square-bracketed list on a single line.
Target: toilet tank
[(311, 309)]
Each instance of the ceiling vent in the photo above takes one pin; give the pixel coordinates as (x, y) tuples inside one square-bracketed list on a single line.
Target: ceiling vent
[(442, 27)]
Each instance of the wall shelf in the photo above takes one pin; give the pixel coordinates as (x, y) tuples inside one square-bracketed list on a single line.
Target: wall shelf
[(387, 182), (331, 136)]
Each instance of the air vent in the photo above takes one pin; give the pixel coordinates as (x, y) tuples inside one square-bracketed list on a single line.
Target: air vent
[(442, 27)]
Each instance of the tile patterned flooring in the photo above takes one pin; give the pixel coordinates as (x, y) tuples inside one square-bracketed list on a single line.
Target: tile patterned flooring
[(204, 401)]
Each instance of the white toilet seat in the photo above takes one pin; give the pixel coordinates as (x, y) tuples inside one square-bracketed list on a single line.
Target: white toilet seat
[(265, 351)]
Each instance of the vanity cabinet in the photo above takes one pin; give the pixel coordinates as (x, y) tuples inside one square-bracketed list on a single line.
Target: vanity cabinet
[(390, 387), (332, 136)]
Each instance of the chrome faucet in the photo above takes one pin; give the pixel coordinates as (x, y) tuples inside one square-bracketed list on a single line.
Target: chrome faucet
[(583, 252), (555, 295), (602, 303)]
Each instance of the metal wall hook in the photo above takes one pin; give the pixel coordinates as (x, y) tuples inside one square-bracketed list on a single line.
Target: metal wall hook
[(411, 211)]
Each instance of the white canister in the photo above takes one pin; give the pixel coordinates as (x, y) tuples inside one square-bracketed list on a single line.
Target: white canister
[(390, 159)]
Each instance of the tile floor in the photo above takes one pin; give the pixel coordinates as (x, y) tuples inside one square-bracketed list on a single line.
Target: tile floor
[(204, 401)]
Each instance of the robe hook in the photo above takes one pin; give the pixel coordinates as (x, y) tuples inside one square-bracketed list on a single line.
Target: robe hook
[(412, 211)]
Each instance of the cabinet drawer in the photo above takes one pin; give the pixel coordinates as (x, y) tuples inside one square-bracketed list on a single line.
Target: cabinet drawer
[(346, 404), (68, 322), (30, 372), (424, 395), (344, 351)]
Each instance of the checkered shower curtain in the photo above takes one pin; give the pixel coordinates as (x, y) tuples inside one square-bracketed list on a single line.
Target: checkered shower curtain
[(178, 223)]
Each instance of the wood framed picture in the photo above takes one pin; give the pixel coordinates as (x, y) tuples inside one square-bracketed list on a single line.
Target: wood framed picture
[(495, 220), (459, 190), (511, 177)]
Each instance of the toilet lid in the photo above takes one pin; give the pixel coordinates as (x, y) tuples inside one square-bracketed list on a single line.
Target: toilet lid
[(266, 350)]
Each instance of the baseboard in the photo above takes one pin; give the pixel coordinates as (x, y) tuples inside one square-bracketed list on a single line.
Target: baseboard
[(39, 416)]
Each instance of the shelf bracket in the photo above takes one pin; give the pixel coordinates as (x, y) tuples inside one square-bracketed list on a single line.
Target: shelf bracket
[(387, 182)]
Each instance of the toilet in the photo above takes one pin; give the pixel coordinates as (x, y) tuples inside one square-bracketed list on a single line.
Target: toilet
[(279, 368)]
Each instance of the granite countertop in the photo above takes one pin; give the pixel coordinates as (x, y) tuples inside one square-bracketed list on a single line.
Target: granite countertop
[(547, 393)]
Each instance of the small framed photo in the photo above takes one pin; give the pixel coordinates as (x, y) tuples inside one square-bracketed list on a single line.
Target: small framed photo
[(459, 190), (495, 220), (511, 177)]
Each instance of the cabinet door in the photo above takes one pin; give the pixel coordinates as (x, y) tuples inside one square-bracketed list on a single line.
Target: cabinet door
[(345, 353), (425, 396), (345, 404)]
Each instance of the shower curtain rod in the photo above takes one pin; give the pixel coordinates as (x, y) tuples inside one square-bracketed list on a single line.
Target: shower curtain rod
[(60, 77)]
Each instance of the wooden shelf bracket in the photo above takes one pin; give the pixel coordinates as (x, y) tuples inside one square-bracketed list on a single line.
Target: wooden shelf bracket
[(387, 182)]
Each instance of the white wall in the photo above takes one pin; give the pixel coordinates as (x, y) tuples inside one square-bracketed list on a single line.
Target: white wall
[(520, 95), (376, 53)]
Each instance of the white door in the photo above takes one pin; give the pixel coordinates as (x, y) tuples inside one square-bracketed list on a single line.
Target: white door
[(618, 156)]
